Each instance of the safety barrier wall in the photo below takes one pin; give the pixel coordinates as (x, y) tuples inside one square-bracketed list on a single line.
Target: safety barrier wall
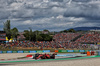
[(38, 51), (72, 50), (45, 51)]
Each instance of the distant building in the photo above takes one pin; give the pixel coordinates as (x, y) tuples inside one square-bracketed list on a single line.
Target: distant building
[(21, 36), (45, 32), (95, 30), (2, 36)]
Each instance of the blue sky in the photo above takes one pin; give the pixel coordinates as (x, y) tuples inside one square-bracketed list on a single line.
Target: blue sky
[(54, 15)]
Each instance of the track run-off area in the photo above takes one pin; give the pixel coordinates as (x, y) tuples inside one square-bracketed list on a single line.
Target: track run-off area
[(83, 61), (50, 59), (70, 61)]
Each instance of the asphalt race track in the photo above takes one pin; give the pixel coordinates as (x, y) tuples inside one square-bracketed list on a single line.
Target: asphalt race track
[(61, 60), (72, 62), (58, 56)]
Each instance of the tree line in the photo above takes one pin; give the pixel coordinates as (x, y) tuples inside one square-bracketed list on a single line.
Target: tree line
[(28, 34), (67, 31), (10, 33), (37, 36)]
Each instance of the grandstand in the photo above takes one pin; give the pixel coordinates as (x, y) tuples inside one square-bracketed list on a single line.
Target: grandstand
[(90, 37), (2, 36), (77, 40), (66, 37)]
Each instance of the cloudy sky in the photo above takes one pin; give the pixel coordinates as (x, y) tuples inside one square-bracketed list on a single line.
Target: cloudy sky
[(54, 15)]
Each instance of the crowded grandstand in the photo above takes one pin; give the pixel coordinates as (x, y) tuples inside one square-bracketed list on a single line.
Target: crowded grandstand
[(78, 40)]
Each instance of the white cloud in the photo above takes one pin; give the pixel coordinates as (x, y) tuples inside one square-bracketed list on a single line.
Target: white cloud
[(46, 1), (27, 22), (76, 19), (42, 14), (59, 17), (58, 9)]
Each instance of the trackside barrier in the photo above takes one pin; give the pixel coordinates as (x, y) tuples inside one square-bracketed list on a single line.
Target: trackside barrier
[(81, 50), (14, 51), (32, 51), (9, 51), (87, 50), (71, 51), (0, 51), (20, 52), (61, 55), (76, 50), (41, 51), (4, 51), (98, 53), (38, 51), (46, 50), (56, 50), (26, 51), (62, 50)]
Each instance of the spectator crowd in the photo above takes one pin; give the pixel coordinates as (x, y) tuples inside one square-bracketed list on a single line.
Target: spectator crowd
[(91, 37), (61, 40)]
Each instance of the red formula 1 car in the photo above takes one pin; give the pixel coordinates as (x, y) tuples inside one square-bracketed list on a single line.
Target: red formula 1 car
[(44, 56)]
